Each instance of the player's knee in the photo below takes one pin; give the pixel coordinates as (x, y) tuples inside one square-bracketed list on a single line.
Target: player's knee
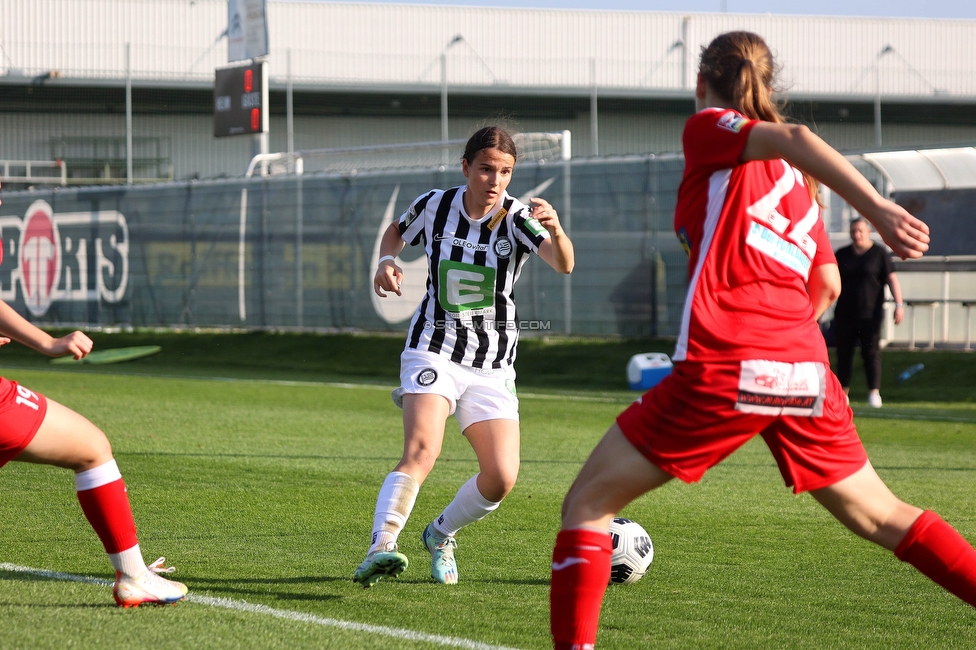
[(496, 485), (96, 451), (865, 520), (564, 509), (506, 483), (510, 474), (861, 526), (572, 502)]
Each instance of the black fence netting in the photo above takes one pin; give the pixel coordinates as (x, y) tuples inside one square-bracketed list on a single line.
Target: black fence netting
[(299, 251)]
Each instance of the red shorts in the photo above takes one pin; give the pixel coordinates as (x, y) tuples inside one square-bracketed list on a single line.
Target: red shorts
[(21, 414), (702, 412)]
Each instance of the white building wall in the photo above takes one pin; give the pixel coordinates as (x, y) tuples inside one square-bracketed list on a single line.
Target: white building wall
[(342, 45), (337, 46), (196, 153), (860, 137)]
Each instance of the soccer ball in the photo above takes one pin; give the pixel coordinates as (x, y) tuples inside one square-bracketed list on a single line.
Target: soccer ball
[(632, 551)]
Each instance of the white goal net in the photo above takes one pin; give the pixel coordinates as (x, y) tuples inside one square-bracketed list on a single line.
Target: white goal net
[(538, 147)]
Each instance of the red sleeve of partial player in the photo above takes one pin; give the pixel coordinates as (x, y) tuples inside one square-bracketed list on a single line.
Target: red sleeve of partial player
[(715, 138), (825, 253)]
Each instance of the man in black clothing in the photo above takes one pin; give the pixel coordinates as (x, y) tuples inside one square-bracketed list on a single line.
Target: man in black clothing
[(865, 269)]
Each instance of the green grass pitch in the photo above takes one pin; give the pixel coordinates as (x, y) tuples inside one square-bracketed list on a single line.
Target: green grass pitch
[(261, 492)]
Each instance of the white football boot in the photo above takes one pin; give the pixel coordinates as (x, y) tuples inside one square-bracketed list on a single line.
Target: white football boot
[(149, 588)]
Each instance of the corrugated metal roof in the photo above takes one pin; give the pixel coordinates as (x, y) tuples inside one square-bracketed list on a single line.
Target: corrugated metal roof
[(339, 45), (929, 169)]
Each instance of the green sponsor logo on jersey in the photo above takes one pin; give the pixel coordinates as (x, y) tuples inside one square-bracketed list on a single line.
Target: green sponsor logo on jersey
[(465, 287), (534, 226)]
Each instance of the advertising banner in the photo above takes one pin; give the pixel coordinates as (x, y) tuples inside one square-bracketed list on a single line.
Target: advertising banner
[(247, 29)]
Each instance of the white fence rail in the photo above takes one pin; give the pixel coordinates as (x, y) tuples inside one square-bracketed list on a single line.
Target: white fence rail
[(24, 171)]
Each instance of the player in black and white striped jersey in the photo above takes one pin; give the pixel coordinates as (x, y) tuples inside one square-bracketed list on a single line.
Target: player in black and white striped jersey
[(477, 264), (461, 345)]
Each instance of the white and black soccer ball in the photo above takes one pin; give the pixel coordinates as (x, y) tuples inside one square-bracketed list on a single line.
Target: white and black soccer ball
[(632, 551)]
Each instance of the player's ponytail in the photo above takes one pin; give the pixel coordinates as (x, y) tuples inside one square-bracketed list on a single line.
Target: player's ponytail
[(739, 67), (752, 94)]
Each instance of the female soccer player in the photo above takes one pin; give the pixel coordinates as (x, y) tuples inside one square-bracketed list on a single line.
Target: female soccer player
[(34, 429), (460, 346), (750, 356)]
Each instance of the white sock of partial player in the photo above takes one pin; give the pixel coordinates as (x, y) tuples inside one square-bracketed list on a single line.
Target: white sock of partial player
[(467, 507), (129, 562), (393, 506)]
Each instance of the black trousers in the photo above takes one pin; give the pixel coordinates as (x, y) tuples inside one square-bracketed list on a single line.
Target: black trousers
[(846, 334)]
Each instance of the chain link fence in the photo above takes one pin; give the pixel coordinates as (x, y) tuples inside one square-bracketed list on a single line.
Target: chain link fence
[(299, 251)]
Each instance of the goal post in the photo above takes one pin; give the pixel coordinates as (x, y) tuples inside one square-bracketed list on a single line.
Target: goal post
[(537, 147), (540, 148)]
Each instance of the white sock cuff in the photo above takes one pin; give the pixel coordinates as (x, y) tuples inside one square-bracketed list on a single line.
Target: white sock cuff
[(398, 494), (393, 507), (401, 479), (97, 476), (468, 506), (129, 562)]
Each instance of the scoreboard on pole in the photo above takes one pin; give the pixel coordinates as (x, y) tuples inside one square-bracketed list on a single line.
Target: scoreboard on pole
[(241, 99)]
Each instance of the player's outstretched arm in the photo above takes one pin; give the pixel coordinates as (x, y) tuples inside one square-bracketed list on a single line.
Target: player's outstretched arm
[(905, 234), (388, 275), (557, 251), (18, 328), (823, 285)]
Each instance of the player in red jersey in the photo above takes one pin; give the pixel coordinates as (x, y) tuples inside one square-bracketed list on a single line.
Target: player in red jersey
[(750, 357), (34, 429)]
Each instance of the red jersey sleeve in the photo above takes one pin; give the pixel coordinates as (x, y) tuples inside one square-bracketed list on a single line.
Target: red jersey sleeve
[(715, 138), (825, 253)]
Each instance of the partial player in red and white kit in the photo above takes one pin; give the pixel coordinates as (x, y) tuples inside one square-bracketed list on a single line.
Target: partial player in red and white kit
[(34, 429), (750, 356)]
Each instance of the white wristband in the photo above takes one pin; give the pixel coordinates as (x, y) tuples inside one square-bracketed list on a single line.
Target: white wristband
[(392, 258)]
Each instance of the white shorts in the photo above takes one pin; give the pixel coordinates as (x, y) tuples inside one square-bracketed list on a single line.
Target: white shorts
[(475, 394)]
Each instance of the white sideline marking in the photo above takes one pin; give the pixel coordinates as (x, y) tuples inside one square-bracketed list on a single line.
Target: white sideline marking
[(879, 415), (244, 606), (623, 399), (859, 411)]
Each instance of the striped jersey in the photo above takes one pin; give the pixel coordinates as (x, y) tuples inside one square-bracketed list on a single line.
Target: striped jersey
[(468, 312), (753, 234)]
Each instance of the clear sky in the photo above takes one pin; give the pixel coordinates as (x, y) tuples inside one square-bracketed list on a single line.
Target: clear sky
[(882, 8)]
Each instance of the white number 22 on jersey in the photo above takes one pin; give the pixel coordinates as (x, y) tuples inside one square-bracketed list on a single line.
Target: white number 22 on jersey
[(764, 211)]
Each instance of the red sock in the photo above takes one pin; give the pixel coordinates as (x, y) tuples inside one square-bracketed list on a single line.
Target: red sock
[(580, 573), (935, 548), (107, 509)]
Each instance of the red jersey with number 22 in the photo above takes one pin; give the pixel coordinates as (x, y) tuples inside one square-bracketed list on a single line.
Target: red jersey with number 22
[(753, 235)]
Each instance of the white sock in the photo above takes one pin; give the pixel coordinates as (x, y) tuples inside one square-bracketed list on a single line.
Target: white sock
[(466, 508), (393, 506), (129, 562), (104, 474)]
